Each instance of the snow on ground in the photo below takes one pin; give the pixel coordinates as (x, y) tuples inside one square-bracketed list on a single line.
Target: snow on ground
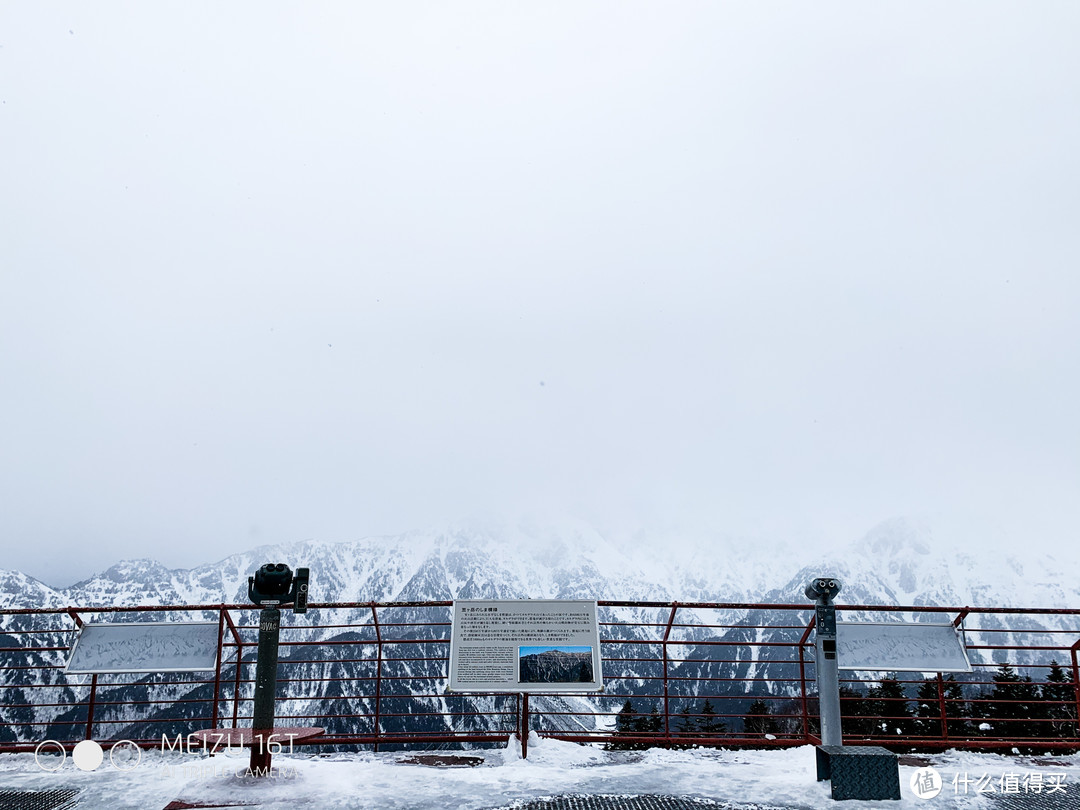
[(777, 778)]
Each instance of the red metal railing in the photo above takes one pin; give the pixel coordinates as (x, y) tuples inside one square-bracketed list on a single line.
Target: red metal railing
[(676, 674)]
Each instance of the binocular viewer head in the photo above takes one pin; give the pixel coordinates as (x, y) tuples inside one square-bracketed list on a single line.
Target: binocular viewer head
[(822, 588), (273, 579), (275, 584)]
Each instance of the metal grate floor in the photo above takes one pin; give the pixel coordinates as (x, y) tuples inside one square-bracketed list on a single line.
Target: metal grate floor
[(1039, 801), (37, 799), (616, 802)]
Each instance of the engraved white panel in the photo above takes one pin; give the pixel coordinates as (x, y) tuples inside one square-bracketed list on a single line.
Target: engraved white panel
[(901, 647), (144, 647)]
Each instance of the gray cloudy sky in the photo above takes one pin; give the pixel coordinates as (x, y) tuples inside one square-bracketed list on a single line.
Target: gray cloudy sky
[(273, 271)]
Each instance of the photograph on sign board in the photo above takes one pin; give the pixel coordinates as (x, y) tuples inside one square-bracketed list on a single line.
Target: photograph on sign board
[(555, 664)]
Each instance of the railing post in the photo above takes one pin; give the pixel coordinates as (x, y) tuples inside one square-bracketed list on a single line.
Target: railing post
[(90, 707), (664, 646), (941, 708), (802, 677), (92, 702), (236, 668), (958, 623), (524, 725), (217, 668), (236, 686), (378, 671), (1076, 685), (517, 714)]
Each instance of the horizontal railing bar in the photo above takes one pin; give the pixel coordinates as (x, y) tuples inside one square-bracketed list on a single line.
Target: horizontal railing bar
[(722, 626)]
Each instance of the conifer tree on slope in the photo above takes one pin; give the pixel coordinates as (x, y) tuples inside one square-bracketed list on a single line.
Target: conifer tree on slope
[(1014, 707), (625, 726), (759, 720), (888, 705), (1060, 696), (709, 724)]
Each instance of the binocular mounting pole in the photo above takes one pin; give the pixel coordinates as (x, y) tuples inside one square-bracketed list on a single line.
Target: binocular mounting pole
[(262, 722)]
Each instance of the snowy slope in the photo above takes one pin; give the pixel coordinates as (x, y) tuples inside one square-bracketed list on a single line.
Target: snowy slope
[(725, 780)]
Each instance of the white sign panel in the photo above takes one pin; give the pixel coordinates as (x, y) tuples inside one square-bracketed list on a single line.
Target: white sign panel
[(144, 647), (900, 647), (528, 645)]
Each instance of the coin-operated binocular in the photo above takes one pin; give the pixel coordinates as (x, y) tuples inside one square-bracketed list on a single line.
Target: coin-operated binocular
[(275, 584), (822, 590), (272, 585)]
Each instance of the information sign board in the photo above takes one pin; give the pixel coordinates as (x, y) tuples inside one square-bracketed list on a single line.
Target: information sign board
[(528, 645), (144, 647), (901, 647)]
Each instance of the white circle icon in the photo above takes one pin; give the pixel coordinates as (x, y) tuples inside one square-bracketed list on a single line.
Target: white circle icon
[(60, 750), (128, 761), (926, 783), (87, 755)]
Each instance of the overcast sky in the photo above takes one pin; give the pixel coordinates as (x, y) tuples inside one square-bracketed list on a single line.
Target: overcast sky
[(276, 271)]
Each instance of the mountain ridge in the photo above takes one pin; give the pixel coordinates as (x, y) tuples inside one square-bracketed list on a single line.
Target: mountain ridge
[(899, 561)]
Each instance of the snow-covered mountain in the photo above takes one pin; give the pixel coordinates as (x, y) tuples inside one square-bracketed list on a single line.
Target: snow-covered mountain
[(898, 562), (556, 666), (902, 562)]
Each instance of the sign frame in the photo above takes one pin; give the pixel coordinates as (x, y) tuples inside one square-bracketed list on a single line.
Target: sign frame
[(90, 627), (960, 651), (494, 638)]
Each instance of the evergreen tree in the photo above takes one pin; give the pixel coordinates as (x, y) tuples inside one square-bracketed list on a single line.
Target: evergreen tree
[(957, 709), (1060, 697), (685, 725), (888, 706), (927, 713), (855, 713), (626, 722), (1014, 706), (652, 723), (626, 719), (759, 720), (709, 724)]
